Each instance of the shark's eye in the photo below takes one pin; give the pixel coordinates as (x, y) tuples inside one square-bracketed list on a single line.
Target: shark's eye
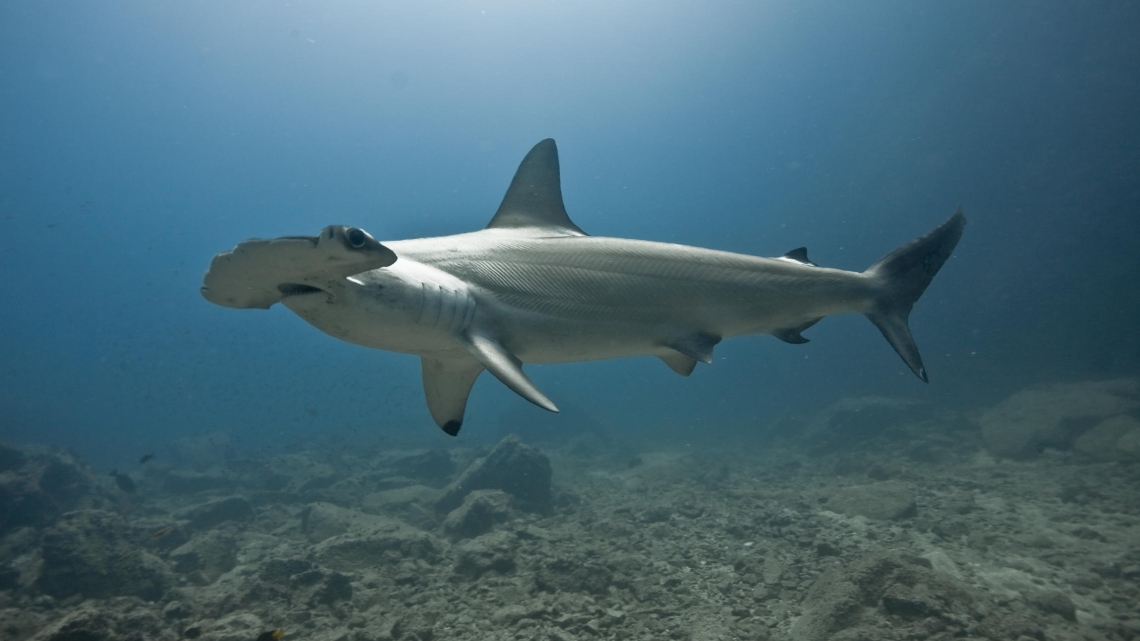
[(356, 237)]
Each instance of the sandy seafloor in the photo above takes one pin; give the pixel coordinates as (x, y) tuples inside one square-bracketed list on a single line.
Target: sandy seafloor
[(872, 519)]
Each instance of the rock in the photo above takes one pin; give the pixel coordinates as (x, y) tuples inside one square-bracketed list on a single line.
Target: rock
[(413, 503), (211, 553), (509, 615), (513, 467), (885, 501), (300, 581), (10, 458), (490, 552), (9, 577), (431, 468), (320, 521), (306, 474), (388, 542), (95, 622), (37, 484), (1053, 415), (480, 511), (416, 624), (1054, 602), (174, 611), (187, 482), (573, 574), (279, 571), (878, 597), (244, 626), (849, 424), (124, 482), (87, 553), (1128, 445), (1113, 439), (335, 587), (207, 515)]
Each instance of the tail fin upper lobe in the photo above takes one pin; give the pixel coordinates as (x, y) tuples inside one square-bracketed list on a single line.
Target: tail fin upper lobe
[(903, 276)]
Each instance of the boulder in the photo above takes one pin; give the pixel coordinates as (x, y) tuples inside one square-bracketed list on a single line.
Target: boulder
[(37, 484), (320, 521), (884, 501), (301, 581), (211, 553), (480, 511), (190, 482), (573, 573), (1054, 415), (1054, 602), (388, 542), (513, 467), (88, 553), (490, 552), (306, 475), (878, 595), (1113, 439), (432, 468), (208, 515), (96, 622), (244, 626), (400, 498)]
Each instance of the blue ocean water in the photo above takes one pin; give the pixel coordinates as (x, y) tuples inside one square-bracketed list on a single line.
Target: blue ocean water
[(139, 139)]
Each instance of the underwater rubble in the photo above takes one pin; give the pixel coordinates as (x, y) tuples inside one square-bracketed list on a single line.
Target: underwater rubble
[(870, 519)]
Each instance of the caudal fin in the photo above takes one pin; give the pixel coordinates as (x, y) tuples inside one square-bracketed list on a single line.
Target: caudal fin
[(904, 275)]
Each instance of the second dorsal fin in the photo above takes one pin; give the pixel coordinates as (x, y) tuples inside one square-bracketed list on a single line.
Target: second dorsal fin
[(534, 198)]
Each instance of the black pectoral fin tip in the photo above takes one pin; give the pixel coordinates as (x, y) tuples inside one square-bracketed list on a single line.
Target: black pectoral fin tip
[(451, 428)]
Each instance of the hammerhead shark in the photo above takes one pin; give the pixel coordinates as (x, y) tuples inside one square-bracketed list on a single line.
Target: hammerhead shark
[(532, 287)]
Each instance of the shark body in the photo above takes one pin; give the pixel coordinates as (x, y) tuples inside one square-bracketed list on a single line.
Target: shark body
[(534, 288)]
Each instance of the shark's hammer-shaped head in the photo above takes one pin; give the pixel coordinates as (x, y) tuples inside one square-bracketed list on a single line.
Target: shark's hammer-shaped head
[(259, 273)]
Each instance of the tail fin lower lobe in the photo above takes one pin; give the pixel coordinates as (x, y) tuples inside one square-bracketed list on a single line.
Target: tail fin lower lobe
[(903, 276)]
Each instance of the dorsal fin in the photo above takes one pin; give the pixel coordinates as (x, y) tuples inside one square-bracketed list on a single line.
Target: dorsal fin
[(799, 255), (534, 198)]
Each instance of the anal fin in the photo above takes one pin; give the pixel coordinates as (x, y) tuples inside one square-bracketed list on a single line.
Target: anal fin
[(792, 334), (447, 383), (506, 367), (679, 363)]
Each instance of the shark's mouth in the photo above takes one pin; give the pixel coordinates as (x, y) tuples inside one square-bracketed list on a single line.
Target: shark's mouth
[(298, 289)]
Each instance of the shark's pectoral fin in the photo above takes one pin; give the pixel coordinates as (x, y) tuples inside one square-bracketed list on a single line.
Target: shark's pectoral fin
[(447, 383), (697, 346), (679, 363), (792, 334), (506, 367)]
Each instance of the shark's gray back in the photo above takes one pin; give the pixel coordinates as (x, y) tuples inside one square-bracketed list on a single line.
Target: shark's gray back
[(610, 279)]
